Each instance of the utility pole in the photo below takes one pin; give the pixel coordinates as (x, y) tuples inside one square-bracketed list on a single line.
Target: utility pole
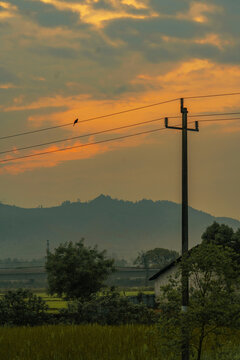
[(185, 277), (48, 247)]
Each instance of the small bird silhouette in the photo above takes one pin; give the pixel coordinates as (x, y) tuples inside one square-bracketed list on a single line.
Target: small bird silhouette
[(75, 121)]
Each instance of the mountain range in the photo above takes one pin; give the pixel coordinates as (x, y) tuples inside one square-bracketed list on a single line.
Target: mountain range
[(121, 227)]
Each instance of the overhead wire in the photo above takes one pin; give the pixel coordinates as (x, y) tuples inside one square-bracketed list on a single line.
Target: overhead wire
[(112, 129), (100, 141), (113, 114), (119, 128), (82, 145), (82, 136), (42, 266), (211, 95), (218, 120), (89, 119), (214, 114)]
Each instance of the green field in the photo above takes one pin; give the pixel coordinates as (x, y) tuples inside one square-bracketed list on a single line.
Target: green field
[(95, 342), (55, 303)]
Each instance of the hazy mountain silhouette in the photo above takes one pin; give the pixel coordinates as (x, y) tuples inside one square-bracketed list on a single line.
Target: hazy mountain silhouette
[(121, 227)]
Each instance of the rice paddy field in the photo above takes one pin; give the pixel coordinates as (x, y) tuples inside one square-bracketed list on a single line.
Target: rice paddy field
[(55, 303), (95, 342)]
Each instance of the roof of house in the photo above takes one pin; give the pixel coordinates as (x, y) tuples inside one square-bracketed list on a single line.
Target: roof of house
[(166, 268), (169, 266)]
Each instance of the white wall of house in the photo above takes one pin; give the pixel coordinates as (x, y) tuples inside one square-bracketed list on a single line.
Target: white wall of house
[(163, 279)]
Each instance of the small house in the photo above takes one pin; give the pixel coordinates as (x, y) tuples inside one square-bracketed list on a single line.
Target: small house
[(161, 278)]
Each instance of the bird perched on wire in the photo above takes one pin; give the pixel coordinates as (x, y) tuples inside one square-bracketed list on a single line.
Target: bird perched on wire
[(75, 122)]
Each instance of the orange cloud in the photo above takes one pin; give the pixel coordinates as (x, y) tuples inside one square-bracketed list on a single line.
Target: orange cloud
[(198, 77), (135, 3), (8, 11), (57, 157), (198, 12), (214, 39), (90, 15), (189, 78), (7, 86), (211, 39)]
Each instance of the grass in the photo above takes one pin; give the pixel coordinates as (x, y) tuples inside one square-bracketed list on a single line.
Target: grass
[(84, 342), (95, 342)]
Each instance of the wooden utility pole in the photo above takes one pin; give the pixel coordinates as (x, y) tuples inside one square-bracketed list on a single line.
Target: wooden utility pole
[(48, 248), (185, 280)]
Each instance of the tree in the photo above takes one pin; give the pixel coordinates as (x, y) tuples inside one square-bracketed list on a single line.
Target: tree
[(225, 236), (76, 271), (156, 258), (214, 302), (218, 234)]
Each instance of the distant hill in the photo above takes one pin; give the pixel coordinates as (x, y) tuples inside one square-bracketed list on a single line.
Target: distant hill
[(121, 227)]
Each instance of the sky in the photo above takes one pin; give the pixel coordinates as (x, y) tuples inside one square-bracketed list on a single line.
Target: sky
[(67, 59)]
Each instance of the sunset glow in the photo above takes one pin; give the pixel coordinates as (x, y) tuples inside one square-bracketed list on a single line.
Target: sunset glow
[(62, 60)]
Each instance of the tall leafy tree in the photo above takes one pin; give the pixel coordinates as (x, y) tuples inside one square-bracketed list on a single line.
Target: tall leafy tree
[(221, 234), (77, 271), (214, 303)]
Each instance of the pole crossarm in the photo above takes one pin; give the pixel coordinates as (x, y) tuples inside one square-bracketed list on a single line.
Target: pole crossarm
[(180, 128)]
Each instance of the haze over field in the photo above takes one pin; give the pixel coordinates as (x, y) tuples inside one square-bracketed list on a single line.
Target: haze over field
[(121, 227)]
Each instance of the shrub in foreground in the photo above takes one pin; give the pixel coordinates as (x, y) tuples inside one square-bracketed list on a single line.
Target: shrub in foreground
[(21, 308), (109, 309)]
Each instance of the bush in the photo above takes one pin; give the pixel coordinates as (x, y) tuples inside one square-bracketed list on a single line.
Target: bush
[(109, 309), (22, 307)]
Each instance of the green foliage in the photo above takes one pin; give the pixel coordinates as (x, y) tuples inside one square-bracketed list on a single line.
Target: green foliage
[(218, 234), (22, 307), (156, 258), (225, 236), (109, 309), (214, 298), (76, 271)]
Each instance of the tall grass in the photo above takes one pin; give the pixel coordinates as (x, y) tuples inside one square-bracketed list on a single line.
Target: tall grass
[(95, 342), (84, 342)]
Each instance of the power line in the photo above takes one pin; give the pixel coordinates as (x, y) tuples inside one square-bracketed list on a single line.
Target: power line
[(217, 120), (23, 267), (89, 119), (118, 128), (113, 114), (43, 267), (82, 145), (82, 136), (101, 141), (214, 114), (211, 95)]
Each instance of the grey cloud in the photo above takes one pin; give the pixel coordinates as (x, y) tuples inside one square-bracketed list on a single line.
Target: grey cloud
[(131, 30), (99, 68), (170, 6), (103, 4), (230, 55), (7, 76), (145, 37), (46, 14), (59, 52), (180, 51)]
